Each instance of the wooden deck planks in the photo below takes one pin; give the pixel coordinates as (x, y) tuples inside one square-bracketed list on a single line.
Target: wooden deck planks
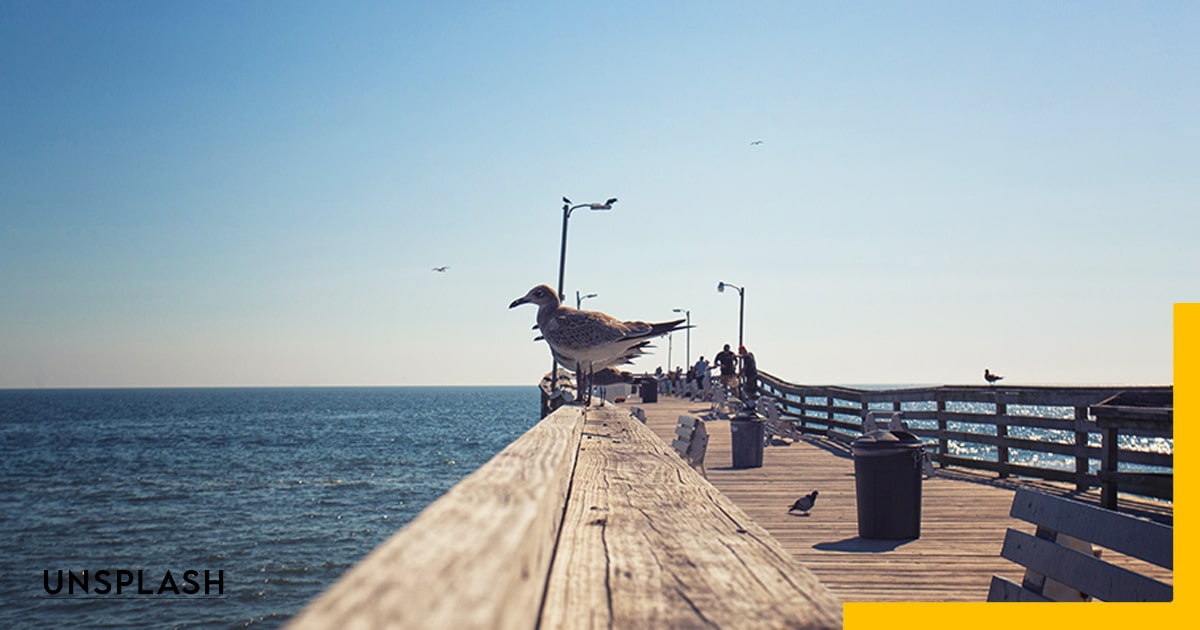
[(964, 517), (647, 542)]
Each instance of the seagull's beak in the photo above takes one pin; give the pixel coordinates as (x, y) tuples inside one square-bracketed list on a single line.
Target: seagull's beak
[(519, 301)]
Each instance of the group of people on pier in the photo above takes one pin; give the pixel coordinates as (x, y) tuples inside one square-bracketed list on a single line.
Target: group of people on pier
[(739, 375)]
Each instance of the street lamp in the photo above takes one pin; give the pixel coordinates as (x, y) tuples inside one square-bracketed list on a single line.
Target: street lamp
[(567, 210), (741, 306), (670, 336), (562, 262), (580, 298), (688, 315)]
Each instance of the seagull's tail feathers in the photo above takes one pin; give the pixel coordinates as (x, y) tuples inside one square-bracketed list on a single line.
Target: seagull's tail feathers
[(644, 330)]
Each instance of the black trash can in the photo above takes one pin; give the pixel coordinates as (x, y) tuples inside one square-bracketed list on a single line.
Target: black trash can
[(887, 483), (649, 390), (748, 434)]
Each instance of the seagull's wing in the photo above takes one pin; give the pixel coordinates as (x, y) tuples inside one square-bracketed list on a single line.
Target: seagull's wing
[(573, 328)]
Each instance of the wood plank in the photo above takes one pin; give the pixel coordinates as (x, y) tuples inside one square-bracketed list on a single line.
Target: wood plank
[(1005, 590), (1136, 537), (496, 567), (697, 560), (964, 516), (1081, 571)]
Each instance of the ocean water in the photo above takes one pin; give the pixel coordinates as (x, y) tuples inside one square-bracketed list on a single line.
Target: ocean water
[(274, 493)]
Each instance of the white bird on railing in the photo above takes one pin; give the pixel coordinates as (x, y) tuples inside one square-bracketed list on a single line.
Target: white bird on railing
[(868, 423)]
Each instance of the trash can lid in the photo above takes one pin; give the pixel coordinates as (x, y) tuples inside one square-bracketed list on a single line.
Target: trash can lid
[(884, 439)]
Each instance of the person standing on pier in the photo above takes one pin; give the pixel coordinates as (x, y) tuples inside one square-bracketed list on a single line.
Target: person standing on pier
[(701, 373), (728, 362), (749, 373)]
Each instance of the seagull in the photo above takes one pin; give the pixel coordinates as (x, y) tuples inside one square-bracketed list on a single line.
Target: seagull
[(440, 269), (756, 142), (589, 341), (989, 377), (804, 503)]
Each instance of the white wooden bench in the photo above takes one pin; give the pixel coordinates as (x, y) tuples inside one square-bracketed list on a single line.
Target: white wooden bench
[(723, 405), (691, 442), (1060, 563), (776, 424)]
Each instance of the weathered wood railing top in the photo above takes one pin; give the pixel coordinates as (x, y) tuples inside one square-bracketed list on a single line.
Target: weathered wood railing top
[(588, 520)]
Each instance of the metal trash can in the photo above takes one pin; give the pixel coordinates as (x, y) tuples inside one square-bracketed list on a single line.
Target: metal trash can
[(887, 483), (648, 388), (748, 434)]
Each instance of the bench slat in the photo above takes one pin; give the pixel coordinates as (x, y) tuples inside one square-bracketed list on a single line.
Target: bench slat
[(1005, 590), (1081, 571), (1131, 536)]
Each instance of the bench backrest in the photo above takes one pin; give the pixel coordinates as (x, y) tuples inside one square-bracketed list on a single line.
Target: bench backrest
[(1053, 555), (691, 442)]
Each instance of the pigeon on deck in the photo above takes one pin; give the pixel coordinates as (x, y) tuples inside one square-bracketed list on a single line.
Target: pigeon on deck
[(589, 341), (804, 503)]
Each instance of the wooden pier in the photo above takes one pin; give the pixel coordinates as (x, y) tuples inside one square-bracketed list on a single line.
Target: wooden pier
[(963, 520), (590, 519), (586, 521)]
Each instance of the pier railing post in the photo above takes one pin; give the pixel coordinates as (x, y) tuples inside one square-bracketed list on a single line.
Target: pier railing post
[(1109, 465), (943, 442), (1002, 436), (1081, 444)]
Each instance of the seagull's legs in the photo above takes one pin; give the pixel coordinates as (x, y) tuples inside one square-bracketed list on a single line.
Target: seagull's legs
[(580, 386)]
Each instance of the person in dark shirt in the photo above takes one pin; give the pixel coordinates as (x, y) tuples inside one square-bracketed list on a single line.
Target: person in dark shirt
[(728, 362)]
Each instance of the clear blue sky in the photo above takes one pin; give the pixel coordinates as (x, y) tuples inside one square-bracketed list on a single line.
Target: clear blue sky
[(254, 193)]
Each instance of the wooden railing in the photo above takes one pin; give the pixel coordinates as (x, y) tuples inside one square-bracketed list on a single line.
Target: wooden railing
[(587, 520), (1044, 432)]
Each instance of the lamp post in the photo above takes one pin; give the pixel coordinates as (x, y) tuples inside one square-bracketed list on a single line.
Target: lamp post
[(562, 263), (567, 210), (580, 298), (688, 315), (669, 346), (741, 306)]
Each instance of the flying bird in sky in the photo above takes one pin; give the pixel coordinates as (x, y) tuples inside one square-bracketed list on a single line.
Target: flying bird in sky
[(756, 142), (804, 503), (440, 269)]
